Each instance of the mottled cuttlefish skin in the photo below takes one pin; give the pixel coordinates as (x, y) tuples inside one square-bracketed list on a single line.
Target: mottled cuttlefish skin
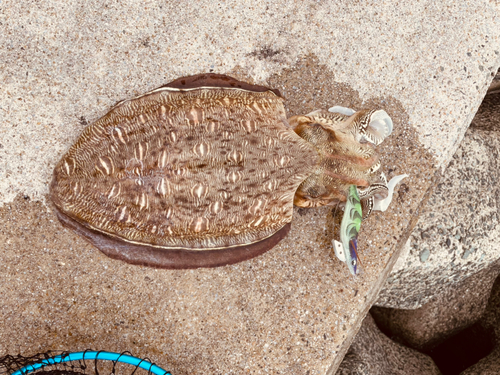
[(205, 171), (180, 171), (343, 159)]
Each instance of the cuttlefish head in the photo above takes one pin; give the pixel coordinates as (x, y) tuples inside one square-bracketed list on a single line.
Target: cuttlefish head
[(345, 141)]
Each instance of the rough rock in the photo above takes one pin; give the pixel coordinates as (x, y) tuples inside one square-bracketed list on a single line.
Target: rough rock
[(488, 115), (373, 353), (495, 84), (486, 366), (490, 322), (458, 232), (444, 315)]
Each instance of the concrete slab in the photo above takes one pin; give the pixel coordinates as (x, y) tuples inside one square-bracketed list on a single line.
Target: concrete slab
[(372, 352), (292, 310), (458, 232)]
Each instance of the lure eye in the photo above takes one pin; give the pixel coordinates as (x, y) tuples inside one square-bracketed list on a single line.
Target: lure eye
[(353, 262)]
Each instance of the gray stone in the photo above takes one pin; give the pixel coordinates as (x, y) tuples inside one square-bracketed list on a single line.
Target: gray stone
[(424, 255), (458, 232), (373, 353), (444, 315)]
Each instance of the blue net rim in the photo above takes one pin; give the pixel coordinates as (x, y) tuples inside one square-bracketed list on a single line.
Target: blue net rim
[(94, 355)]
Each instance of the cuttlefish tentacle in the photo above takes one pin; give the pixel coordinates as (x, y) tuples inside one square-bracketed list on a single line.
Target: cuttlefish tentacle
[(369, 125), (381, 204), (342, 110), (378, 196)]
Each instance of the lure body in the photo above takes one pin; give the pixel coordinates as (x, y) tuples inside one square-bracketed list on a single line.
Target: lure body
[(346, 249)]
